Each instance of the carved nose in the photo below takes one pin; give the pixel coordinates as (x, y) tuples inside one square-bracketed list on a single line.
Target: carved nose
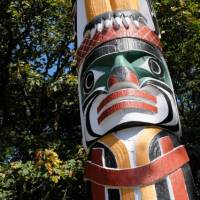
[(123, 77)]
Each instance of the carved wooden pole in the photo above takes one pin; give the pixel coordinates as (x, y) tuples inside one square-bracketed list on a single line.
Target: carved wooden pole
[(130, 121)]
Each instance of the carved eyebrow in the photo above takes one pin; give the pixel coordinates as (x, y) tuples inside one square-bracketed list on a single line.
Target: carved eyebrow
[(111, 47)]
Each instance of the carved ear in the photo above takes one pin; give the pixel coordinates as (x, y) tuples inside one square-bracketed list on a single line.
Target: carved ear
[(124, 5), (97, 7)]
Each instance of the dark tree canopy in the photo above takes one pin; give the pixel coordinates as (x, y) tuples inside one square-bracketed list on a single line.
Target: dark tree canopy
[(41, 156)]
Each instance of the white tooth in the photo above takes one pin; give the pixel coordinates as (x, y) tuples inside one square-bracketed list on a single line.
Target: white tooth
[(100, 27), (128, 20), (126, 25), (108, 23), (115, 24), (92, 32), (136, 23), (118, 20)]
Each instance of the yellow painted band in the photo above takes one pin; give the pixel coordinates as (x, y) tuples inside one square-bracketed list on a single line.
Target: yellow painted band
[(122, 158), (97, 7), (124, 4), (142, 158), (118, 149)]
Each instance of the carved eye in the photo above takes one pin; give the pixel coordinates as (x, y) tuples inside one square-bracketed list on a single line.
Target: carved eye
[(155, 67), (88, 81)]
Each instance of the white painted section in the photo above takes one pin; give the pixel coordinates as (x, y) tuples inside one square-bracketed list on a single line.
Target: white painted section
[(137, 193), (144, 9), (81, 21), (106, 193), (171, 193), (129, 137)]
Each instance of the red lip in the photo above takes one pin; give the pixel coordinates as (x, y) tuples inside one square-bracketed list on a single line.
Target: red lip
[(126, 92), (140, 104)]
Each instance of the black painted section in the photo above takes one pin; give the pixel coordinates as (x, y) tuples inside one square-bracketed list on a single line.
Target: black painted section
[(154, 150), (113, 194), (162, 190), (189, 181)]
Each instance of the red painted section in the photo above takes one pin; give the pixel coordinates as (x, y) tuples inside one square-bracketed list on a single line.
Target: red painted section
[(127, 92), (141, 32), (96, 156), (127, 105), (140, 176), (166, 144), (178, 185), (176, 178), (112, 80), (98, 191)]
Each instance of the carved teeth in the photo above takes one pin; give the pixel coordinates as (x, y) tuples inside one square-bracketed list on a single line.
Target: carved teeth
[(116, 20), (108, 23), (100, 27), (116, 25), (136, 23), (125, 22)]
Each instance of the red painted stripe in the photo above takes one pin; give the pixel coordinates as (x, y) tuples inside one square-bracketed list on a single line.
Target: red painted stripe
[(178, 185), (139, 176), (176, 178), (127, 92), (96, 156), (125, 105), (98, 191), (166, 144)]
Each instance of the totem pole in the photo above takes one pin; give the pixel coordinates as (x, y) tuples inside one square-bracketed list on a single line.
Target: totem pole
[(129, 116)]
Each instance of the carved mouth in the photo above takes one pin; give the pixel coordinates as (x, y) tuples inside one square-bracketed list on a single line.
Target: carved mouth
[(134, 99), (115, 19)]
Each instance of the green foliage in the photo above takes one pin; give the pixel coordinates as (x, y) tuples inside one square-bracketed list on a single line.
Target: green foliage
[(179, 22), (40, 152), (43, 177), (180, 28)]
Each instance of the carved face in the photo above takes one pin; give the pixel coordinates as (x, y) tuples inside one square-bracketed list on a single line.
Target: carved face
[(125, 83)]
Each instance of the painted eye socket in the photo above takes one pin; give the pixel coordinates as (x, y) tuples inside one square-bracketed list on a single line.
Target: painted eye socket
[(155, 67), (88, 81)]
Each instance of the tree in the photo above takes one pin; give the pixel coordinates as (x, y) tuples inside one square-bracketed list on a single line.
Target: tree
[(180, 28), (41, 156)]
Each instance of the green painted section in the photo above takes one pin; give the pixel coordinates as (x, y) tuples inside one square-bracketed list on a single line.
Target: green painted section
[(135, 61)]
